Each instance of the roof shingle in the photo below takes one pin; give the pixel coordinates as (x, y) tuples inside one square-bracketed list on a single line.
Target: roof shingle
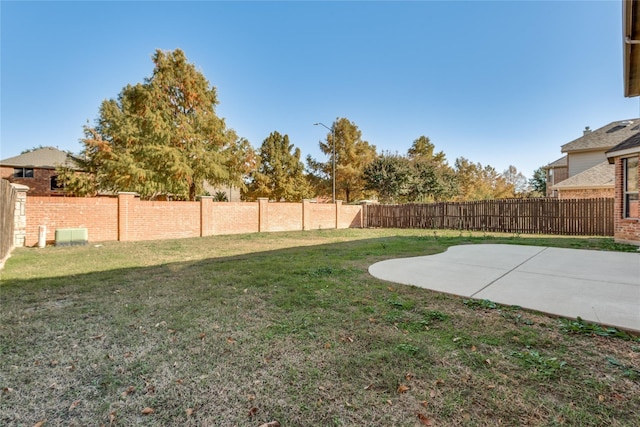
[(600, 176), (45, 158), (606, 137)]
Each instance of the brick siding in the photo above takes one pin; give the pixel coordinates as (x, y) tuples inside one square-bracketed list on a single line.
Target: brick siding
[(594, 193), (625, 230)]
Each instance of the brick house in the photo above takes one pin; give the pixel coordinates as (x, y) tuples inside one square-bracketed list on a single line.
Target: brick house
[(37, 170), (624, 158), (585, 169)]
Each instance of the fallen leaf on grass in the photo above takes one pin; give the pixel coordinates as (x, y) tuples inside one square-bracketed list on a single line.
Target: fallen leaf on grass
[(97, 337), (439, 382), (432, 394), (601, 398), (40, 423), (403, 388), (253, 411), (112, 417), (474, 348), (327, 345), (128, 391), (147, 411), (189, 412), (408, 376), (230, 340), (424, 420), (270, 424), (202, 335), (7, 389), (74, 405)]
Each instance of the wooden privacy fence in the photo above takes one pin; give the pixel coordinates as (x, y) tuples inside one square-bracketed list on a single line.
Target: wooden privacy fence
[(578, 217)]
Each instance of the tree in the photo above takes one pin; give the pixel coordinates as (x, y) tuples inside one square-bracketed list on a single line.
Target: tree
[(431, 182), (516, 180), (538, 182), (389, 176), (433, 178), (160, 137), (477, 182), (352, 154), (280, 173), (423, 149)]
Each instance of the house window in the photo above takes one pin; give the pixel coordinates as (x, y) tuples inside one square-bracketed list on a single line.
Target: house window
[(630, 187), (55, 184), (23, 172)]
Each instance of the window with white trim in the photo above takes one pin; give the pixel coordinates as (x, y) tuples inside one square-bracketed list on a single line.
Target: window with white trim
[(630, 187)]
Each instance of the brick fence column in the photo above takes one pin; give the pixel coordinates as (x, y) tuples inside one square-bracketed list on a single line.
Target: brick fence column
[(206, 216), (20, 215), (338, 209), (263, 214), (306, 214), (125, 200)]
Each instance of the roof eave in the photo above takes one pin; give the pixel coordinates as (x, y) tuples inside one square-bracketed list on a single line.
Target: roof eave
[(631, 49), (612, 154)]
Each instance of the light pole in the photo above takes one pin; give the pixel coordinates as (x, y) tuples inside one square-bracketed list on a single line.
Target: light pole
[(333, 160)]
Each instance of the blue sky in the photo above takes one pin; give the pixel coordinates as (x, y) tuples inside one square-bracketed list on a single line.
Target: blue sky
[(501, 83)]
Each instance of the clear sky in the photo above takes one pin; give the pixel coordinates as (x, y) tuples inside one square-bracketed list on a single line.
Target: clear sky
[(501, 83)]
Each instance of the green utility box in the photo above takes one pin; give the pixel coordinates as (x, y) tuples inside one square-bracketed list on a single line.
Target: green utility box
[(72, 236)]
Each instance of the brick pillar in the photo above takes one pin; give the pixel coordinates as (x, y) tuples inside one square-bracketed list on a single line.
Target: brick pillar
[(206, 216), (20, 216), (263, 214), (306, 214), (125, 200), (338, 209)]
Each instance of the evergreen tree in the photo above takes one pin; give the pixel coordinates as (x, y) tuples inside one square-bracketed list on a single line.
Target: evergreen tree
[(160, 137), (280, 173), (538, 182), (432, 177), (352, 154)]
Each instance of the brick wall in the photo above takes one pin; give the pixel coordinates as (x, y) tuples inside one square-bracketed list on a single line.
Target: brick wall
[(231, 218), (99, 215), (152, 220), (625, 229), (127, 218), (593, 193)]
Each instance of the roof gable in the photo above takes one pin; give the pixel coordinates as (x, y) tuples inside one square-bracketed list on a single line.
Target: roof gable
[(604, 138), (45, 158)]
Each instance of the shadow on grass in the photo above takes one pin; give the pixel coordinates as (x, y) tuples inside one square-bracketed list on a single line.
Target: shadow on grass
[(302, 334)]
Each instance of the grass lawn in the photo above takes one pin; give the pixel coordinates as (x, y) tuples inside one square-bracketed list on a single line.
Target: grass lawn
[(289, 327)]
